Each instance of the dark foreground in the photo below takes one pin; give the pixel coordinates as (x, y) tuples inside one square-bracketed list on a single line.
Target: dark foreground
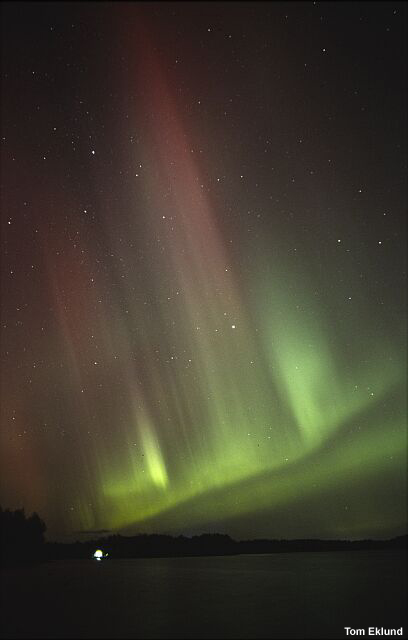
[(298, 595)]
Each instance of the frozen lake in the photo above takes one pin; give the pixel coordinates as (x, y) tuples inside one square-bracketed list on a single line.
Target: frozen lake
[(293, 595)]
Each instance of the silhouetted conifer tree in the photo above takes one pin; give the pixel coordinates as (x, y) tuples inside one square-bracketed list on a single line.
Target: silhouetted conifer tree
[(22, 538)]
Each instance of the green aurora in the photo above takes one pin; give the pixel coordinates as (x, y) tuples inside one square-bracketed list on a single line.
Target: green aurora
[(200, 371)]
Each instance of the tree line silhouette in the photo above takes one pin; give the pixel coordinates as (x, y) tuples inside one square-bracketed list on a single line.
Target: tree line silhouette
[(23, 541), (22, 537)]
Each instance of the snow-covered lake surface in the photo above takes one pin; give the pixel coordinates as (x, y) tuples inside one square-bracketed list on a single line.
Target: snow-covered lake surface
[(296, 595)]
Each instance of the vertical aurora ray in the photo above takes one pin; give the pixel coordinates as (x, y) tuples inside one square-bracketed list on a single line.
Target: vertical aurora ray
[(320, 395), (198, 371), (220, 403)]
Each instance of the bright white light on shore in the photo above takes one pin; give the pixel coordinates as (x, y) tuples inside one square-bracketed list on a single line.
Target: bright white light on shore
[(98, 555)]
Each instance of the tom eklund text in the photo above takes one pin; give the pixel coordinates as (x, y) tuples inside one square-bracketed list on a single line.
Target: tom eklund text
[(373, 631)]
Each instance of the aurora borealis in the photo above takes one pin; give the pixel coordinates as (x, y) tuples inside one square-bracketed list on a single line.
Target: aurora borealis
[(203, 267)]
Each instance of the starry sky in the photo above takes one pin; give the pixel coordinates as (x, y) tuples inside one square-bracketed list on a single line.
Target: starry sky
[(203, 267)]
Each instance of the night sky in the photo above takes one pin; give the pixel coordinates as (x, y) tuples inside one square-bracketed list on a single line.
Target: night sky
[(203, 267)]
